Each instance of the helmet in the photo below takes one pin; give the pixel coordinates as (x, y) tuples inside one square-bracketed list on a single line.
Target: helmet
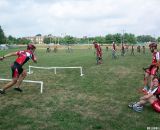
[(153, 44), (30, 46), (94, 42)]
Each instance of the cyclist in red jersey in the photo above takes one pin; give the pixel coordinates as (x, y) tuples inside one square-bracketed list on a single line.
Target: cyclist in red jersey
[(18, 73), (151, 71), (153, 98), (98, 52)]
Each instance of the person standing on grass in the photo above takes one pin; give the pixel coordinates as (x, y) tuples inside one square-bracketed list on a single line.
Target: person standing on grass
[(132, 50), (98, 53), (106, 48), (114, 51), (151, 71), (55, 49), (48, 49), (139, 49), (122, 50), (18, 73), (152, 97), (143, 47)]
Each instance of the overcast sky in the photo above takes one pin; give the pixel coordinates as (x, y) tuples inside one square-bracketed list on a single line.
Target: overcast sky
[(79, 18)]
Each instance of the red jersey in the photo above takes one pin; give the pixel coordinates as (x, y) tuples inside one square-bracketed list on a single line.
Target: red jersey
[(97, 47), (24, 56), (113, 47), (98, 50), (155, 57)]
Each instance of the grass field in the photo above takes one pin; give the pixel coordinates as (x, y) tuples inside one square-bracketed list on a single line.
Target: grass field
[(97, 101)]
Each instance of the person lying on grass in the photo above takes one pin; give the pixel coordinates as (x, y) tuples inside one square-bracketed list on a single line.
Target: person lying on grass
[(152, 97)]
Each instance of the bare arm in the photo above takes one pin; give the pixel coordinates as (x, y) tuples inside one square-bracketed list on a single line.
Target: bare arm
[(34, 59), (146, 97), (8, 55)]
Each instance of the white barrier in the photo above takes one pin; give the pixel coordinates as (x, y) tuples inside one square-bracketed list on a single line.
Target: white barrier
[(29, 81), (55, 71)]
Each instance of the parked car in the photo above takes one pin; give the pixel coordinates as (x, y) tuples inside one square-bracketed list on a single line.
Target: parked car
[(3, 47)]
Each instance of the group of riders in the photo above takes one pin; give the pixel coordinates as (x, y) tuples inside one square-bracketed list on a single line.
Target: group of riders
[(124, 49), (151, 88)]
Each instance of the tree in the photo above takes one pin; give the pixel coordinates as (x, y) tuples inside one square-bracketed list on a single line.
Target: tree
[(69, 40), (109, 38), (83, 40), (117, 38), (158, 39), (2, 37), (145, 38), (129, 38), (100, 39), (22, 41), (11, 40), (47, 40)]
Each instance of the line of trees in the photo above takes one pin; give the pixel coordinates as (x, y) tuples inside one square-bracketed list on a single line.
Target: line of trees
[(109, 39), (2, 36), (11, 40)]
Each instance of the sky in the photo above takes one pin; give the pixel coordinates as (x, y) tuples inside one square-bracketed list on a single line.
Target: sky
[(22, 18)]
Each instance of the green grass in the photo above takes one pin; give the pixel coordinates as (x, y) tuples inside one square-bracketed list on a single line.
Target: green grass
[(97, 101)]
